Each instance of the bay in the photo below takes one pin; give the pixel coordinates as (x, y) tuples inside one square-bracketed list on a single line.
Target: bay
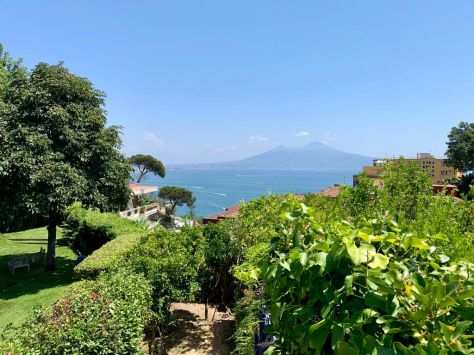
[(218, 189)]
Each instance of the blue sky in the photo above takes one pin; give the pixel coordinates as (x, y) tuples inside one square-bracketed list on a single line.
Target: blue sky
[(201, 81)]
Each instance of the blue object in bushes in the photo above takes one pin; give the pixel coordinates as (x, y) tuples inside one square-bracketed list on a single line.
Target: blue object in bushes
[(80, 257), (262, 339)]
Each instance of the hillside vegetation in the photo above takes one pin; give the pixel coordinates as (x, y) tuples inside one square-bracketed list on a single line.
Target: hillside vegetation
[(370, 272)]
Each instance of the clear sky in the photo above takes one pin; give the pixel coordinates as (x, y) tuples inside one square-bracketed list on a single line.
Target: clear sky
[(201, 81)]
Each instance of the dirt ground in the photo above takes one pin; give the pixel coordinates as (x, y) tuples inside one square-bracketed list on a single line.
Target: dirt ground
[(196, 336)]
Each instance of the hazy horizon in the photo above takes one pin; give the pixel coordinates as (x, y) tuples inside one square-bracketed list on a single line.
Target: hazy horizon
[(211, 81)]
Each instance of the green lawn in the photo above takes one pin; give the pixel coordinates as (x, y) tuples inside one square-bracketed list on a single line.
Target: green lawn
[(22, 292)]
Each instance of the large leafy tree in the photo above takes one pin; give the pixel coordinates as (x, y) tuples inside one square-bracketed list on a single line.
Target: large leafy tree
[(145, 164), (176, 196), (460, 155), (460, 143), (56, 148), (14, 214)]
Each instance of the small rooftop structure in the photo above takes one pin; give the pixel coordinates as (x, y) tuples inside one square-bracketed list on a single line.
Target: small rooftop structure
[(141, 189), (424, 156), (448, 189), (331, 191), (228, 213)]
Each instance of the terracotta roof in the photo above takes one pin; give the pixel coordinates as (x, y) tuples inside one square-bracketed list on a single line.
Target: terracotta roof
[(233, 211), (229, 212), (141, 189), (332, 191)]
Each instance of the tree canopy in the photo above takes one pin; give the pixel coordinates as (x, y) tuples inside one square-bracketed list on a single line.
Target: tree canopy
[(176, 196), (56, 149), (145, 164), (460, 150)]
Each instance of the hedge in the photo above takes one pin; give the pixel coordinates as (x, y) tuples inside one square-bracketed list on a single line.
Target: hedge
[(106, 257), (170, 261), (105, 316), (89, 229)]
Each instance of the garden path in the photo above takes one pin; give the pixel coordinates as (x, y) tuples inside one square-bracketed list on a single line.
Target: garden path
[(196, 336)]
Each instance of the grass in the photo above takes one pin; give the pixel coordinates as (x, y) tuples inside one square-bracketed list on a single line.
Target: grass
[(22, 292)]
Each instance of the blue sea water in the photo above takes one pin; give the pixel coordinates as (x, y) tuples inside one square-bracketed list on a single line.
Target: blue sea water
[(218, 189)]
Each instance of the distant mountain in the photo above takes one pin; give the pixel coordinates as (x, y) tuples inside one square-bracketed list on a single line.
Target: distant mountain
[(314, 156)]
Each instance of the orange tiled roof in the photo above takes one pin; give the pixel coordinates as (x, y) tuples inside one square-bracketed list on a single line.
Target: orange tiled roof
[(141, 189), (229, 212), (332, 191), (233, 211)]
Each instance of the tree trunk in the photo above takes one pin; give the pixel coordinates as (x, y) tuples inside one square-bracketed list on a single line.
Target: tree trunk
[(51, 253), (141, 175)]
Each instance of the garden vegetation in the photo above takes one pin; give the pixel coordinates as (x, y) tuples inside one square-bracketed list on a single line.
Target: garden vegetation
[(373, 271)]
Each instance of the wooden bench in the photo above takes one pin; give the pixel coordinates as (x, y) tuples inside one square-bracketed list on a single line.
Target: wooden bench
[(25, 261), (18, 263)]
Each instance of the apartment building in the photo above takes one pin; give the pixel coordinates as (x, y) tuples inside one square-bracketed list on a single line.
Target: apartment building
[(438, 169)]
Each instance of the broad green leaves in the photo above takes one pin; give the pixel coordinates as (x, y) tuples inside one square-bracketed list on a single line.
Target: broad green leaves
[(367, 290)]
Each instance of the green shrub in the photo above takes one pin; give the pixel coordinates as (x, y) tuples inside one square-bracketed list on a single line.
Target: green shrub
[(406, 190), (220, 255), (108, 256), (106, 316), (248, 306), (373, 289), (246, 319), (361, 201), (89, 229), (170, 261), (257, 221)]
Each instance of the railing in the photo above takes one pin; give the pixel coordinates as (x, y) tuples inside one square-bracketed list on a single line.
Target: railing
[(143, 211)]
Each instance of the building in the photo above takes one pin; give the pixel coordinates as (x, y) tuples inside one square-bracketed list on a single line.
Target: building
[(141, 191), (437, 169), (331, 191), (228, 213), (137, 211)]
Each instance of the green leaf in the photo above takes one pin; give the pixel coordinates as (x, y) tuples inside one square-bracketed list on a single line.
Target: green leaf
[(318, 335), (443, 259), (348, 284), (352, 250), (379, 261), (320, 260), (303, 258), (419, 243), (271, 350), (366, 253), (285, 265), (344, 348), (466, 294), (317, 325)]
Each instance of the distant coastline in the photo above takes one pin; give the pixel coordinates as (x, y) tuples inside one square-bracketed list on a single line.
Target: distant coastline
[(216, 189), (316, 157)]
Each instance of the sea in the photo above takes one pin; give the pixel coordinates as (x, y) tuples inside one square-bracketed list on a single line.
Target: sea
[(217, 189)]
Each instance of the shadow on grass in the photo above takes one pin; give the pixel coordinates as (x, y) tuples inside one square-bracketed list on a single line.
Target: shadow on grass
[(42, 240), (33, 243), (23, 282)]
